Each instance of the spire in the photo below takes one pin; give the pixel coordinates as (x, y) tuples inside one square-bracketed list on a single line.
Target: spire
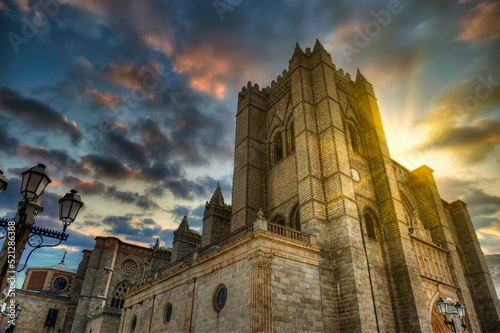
[(297, 49), (63, 258), (359, 76), (217, 198), (157, 244), (184, 226), (318, 46)]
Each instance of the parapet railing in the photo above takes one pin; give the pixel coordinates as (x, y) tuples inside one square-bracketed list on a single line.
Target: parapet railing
[(231, 238), (234, 236), (288, 232)]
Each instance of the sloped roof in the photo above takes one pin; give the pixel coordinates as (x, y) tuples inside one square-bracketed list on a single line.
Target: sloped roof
[(60, 267)]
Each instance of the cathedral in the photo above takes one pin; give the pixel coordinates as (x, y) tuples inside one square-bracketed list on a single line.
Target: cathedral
[(326, 233)]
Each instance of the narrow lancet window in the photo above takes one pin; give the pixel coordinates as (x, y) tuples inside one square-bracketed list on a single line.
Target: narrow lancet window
[(354, 139)]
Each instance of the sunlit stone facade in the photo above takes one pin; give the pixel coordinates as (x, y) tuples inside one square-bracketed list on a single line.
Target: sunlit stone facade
[(374, 244), (326, 231)]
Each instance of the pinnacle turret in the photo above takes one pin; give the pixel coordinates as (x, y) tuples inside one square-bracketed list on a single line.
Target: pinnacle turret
[(318, 46), (184, 226), (217, 198), (157, 244), (297, 49), (359, 76)]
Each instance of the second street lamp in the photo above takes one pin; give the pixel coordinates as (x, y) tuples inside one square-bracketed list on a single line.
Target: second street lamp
[(453, 314), (69, 206)]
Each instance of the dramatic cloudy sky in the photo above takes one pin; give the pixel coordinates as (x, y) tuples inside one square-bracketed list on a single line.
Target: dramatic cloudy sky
[(133, 102)]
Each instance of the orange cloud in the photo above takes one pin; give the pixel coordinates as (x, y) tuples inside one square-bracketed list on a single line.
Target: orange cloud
[(482, 24), (55, 182), (128, 75), (23, 5), (159, 42), (213, 68), (155, 30), (85, 186), (204, 68), (133, 76), (107, 100)]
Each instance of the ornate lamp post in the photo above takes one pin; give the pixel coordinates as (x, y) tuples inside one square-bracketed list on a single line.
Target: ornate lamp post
[(453, 314), (22, 229)]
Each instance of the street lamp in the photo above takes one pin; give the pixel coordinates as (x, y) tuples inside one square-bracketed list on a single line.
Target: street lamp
[(3, 182), (35, 180), (461, 310), (453, 314), (69, 206)]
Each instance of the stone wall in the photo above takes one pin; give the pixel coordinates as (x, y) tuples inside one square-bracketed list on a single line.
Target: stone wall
[(35, 306), (252, 267)]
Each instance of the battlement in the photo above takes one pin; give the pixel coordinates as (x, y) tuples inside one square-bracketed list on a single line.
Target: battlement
[(346, 76), (283, 78), (250, 87)]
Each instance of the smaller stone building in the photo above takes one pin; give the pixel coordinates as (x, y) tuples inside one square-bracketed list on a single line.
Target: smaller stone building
[(45, 299), (104, 278)]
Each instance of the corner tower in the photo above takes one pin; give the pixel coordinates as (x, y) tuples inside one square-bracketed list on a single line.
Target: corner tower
[(311, 152), (216, 219), (186, 241)]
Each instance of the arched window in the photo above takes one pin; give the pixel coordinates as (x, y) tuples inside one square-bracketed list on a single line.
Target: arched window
[(279, 220), (407, 215), (133, 325), (295, 218), (407, 210), (278, 147), (119, 294), (370, 225), (354, 139), (291, 131)]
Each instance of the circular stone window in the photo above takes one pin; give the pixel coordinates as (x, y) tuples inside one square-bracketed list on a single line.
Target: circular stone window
[(129, 267), (60, 283), (220, 297), (168, 313)]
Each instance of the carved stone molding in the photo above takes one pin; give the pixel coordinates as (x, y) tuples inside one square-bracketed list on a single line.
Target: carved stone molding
[(261, 307), (260, 258)]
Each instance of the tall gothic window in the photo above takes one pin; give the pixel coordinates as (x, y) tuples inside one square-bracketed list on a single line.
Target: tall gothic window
[(370, 225), (279, 220), (278, 147), (354, 139), (407, 216), (118, 298), (292, 137)]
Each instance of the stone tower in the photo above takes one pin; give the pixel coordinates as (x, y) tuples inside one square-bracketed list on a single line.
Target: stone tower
[(186, 241), (104, 277), (311, 152), (216, 219)]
